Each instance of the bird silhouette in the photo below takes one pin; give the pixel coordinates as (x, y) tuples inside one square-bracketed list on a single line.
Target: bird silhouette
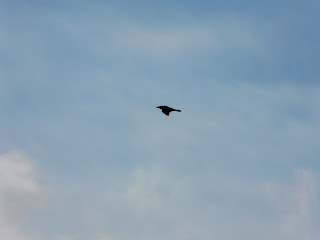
[(166, 110)]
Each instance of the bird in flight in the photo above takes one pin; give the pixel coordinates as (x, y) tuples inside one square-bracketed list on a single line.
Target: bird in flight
[(166, 110)]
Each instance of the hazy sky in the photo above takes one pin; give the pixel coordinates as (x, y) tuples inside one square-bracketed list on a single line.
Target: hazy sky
[(85, 153)]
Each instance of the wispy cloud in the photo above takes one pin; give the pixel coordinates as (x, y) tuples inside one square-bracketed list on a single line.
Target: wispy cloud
[(296, 205), (79, 88)]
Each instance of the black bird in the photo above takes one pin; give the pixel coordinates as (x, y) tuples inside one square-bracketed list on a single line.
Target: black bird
[(166, 110)]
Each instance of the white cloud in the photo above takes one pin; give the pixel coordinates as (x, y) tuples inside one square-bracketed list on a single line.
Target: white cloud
[(16, 173), (154, 205), (19, 191)]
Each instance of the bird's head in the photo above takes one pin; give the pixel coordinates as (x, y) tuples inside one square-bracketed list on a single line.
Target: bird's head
[(159, 107)]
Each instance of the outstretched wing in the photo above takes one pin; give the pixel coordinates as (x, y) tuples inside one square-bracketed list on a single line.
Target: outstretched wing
[(166, 112), (172, 109)]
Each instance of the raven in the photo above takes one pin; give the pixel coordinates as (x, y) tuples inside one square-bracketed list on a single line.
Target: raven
[(166, 110)]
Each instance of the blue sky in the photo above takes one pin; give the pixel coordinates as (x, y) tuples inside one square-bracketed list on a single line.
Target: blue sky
[(86, 155)]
